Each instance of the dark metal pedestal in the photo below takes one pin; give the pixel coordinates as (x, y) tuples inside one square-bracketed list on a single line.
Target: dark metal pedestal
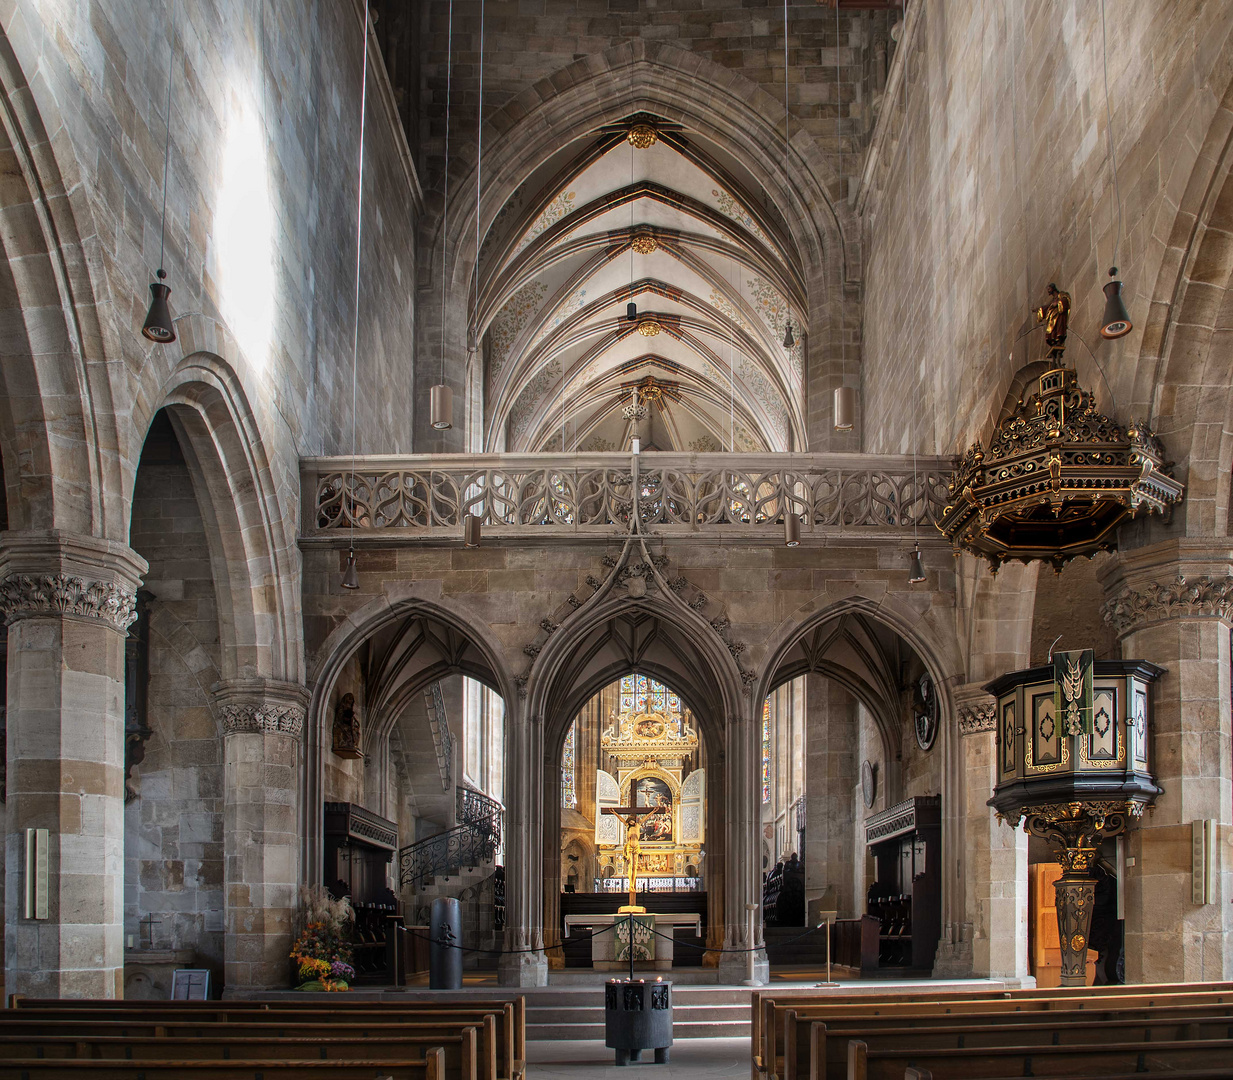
[(637, 1017)]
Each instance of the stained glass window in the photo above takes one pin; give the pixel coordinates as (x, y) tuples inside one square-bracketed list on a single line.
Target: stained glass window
[(569, 793), (766, 750)]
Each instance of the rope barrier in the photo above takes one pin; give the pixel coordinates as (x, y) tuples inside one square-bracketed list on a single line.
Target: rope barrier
[(597, 933)]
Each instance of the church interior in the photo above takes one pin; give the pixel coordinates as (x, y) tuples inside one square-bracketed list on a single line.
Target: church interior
[(386, 596)]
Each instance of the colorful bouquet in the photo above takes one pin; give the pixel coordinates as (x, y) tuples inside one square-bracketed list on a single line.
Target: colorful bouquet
[(321, 951)]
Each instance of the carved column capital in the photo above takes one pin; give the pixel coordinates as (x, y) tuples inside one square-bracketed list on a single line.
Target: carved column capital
[(975, 709), (263, 706), (57, 575), (1204, 596)]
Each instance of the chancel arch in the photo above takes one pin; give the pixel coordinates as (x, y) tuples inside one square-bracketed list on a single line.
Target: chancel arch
[(615, 637)]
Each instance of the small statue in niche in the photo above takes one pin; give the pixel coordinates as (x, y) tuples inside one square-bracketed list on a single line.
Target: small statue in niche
[(347, 728), (1055, 314)]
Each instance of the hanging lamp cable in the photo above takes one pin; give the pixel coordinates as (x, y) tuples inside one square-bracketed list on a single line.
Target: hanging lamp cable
[(359, 238), (843, 352), (162, 231), (1117, 195), (479, 169), (445, 198)]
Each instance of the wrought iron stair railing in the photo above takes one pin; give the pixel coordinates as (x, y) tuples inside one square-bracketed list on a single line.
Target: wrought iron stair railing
[(475, 841)]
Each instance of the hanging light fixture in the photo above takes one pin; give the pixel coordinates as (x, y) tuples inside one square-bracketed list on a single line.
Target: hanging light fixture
[(441, 397), (158, 326), (916, 569), (1115, 322), (441, 406), (845, 407), (470, 531), (350, 578), (788, 340), (791, 530)]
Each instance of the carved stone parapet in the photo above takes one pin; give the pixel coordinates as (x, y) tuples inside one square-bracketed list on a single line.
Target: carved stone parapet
[(1200, 597), (58, 574), (261, 706)]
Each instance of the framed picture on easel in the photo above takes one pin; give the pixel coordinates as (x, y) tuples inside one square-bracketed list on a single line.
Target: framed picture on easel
[(190, 984)]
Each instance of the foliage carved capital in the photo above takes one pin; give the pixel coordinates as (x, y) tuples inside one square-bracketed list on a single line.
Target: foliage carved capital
[(1196, 597), (25, 596)]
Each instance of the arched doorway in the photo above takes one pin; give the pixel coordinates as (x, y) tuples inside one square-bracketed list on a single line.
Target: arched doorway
[(678, 650), (634, 744), (405, 800), (852, 777)]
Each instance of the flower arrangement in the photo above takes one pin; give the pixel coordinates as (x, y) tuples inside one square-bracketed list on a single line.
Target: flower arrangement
[(321, 951)]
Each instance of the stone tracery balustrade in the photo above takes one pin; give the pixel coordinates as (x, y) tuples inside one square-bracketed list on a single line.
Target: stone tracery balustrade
[(835, 494)]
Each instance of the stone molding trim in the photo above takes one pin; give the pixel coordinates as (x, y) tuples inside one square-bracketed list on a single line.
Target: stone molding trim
[(1202, 597), (24, 596), (261, 706), (265, 719)]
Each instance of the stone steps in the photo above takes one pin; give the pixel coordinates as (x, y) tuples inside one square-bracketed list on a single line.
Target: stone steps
[(699, 1012)]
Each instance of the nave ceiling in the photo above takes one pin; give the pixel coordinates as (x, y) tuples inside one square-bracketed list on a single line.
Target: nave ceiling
[(679, 228)]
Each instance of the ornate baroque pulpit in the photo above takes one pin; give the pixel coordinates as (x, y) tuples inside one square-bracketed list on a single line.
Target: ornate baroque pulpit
[(1073, 766)]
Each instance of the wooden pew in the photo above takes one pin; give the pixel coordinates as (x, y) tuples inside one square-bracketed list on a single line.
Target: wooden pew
[(431, 1067), (336, 1003), (987, 1063), (817, 1050), (459, 1050), (502, 1043), (768, 1010)]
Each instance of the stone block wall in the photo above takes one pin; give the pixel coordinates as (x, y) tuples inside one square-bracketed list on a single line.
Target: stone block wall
[(1001, 183), (261, 202), (173, 829)]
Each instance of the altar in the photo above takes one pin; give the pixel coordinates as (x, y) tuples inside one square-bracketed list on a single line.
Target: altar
[(612, 932)]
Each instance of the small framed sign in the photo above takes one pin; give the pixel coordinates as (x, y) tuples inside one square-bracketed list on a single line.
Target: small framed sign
[(190, 984)]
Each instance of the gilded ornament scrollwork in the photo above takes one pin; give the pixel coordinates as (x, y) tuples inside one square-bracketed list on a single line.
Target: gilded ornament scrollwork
[(32, 595)]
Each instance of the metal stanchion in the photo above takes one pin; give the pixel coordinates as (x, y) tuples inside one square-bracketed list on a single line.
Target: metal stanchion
[(828, 958)]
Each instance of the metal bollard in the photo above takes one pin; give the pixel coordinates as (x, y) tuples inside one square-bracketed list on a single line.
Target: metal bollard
[(444, 959)]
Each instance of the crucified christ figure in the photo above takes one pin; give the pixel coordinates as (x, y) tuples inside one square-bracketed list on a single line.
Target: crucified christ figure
[(629, 816)]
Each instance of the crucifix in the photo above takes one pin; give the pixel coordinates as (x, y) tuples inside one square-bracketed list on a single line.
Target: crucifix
[(629, 816)]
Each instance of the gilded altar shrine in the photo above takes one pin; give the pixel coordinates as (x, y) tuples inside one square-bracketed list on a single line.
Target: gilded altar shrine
[(651, 748)]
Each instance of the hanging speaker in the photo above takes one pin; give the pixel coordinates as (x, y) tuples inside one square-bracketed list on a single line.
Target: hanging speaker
[(791, 530), (441, 406), (631, 311), (1115, 322), (845, 408), (471, 531)]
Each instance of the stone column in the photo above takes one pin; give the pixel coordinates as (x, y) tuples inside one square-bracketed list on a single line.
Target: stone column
[(994, 942), (68, 602), (263, 727), (523, 962), (742, 797), (1172, 604), (831, 774)]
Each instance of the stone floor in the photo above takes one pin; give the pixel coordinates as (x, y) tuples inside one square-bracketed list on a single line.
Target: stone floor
[(690, 1057)]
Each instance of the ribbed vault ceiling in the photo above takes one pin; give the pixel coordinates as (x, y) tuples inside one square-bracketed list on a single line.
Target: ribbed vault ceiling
[(678, 228)]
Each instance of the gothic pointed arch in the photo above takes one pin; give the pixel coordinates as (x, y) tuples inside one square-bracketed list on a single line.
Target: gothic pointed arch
[(58, 424)]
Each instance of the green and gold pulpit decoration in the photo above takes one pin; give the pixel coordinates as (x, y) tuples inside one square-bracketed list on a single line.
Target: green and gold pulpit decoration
[(1073, 766)]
